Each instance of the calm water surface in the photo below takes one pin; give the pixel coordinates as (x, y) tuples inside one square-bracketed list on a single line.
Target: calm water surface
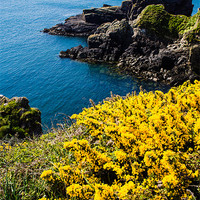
[(30, 65)]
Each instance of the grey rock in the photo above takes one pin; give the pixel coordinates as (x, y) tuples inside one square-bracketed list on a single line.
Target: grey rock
[(194, 58), (3, 99), (114, 38), (73, 26), (86, 23)]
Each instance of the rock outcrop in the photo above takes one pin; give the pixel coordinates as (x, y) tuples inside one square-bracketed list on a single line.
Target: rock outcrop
[(195, 58), (177, 7), (106, 45), (73, 26), (152, 59), (149, 41), (158, 50), (18, 118), (86, 23)]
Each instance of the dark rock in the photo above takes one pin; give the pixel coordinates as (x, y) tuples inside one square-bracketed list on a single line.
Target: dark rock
[(73, 26), (140, 54), (3, 99), (106, 5), (195, 58), (146, 47), (177, 7), (126, 6), (63, 54), (46, 30), (87, 22), (106, 44), (103, 15), (71, 53), (148, 57), (22, 101)]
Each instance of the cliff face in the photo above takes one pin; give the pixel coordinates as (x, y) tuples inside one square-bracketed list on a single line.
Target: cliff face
[(18, 118)]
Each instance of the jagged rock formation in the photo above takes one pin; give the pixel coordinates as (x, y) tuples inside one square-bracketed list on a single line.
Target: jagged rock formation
[(107, 44), (18, 118), (154, 49), (86, 23), (73, 26), (142, 39), (194, 58)]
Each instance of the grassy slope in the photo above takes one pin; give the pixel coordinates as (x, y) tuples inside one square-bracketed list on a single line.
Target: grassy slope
[(21, 165)]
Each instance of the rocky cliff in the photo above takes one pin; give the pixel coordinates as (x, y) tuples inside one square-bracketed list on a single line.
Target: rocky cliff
[(18, 118), (149, 41), (86, 23)]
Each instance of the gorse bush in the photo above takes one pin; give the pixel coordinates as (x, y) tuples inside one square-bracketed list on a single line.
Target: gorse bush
[(138, 147)]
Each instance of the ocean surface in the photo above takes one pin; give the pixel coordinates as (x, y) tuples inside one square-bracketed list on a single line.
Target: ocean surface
[(30, 65)]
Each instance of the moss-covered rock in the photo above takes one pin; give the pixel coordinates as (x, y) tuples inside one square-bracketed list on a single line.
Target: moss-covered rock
[(17, 118), (176, 7), (156, 20)]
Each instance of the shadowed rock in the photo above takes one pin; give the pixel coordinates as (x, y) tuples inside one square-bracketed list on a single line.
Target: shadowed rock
[(195, 58), (177, 7), (86, 23)]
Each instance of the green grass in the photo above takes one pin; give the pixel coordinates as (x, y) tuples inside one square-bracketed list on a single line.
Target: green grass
[(22, 164)]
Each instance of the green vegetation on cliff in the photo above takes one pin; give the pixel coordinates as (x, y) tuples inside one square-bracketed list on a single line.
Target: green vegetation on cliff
[(22, 164), (155, 19), (144, 146)]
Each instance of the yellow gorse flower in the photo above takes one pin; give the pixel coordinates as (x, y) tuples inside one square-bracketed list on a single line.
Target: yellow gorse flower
[(137, 147), (47, 175)]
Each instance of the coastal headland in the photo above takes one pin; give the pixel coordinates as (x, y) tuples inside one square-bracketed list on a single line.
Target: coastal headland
[(157, 39)]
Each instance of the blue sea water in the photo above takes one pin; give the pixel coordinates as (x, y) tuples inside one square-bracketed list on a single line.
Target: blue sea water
[(30, 65)]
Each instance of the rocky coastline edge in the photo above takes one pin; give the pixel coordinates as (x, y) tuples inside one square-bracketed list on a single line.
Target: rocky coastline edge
[(157, 40)]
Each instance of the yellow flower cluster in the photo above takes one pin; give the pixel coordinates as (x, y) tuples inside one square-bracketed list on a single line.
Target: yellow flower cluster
[(137, 147), (47, 175), (4, 147)]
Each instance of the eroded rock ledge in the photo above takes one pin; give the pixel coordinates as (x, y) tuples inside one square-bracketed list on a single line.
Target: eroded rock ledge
[(86, 23), (18, 118)]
